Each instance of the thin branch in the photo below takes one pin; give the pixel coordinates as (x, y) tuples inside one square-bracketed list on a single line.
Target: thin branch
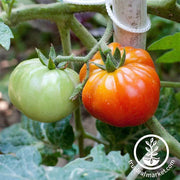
[(90, 136), (79, 131), (105, 38), (47, 11), (162, 3), (82, 33), (10, 7), (70, 58), (168, 9), (170, 84), (174, 146), (163, 8), (64, 32)]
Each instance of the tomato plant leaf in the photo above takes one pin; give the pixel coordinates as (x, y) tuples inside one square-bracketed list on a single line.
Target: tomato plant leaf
[(168, 112), (48, 138), (98, 164), (120, 161), (122, 137), (26, 165), (171, 43), (17, 167), (58, 133), (71, 153), (5, 35), (14, 138), (161, 27)]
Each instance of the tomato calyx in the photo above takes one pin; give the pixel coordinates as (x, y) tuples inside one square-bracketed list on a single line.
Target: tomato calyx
[(50, 62), (111, 62)]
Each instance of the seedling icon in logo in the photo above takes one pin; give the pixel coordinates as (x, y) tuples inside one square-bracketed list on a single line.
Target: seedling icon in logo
[(150, 158)]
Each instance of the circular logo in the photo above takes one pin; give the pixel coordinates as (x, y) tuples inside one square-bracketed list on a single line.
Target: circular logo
[(151, 159)]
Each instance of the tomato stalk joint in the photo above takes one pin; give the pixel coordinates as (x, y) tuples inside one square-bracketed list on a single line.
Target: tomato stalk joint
[(50, 62)]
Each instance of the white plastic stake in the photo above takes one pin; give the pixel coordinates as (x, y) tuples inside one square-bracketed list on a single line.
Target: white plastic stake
[(132, 14)]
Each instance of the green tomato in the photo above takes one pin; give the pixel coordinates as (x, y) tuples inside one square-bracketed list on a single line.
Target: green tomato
[(42, 94)]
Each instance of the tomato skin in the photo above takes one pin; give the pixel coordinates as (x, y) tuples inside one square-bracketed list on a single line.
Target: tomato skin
[(129, 96), (40, 93)]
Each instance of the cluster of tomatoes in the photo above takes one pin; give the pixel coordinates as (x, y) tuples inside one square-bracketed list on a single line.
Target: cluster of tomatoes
[(128, 96)]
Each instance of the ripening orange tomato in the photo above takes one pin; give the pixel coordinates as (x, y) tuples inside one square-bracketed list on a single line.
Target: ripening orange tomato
[(129, 96)]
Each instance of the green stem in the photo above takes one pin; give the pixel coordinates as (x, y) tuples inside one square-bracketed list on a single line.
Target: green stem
[(82, 33), (165, 8), (90, 136), (64, 31), (10, 8), (81, 134), (47, 11), (5, 6), (66, 44), (79, 127), (79, 131), (170, 84), (105, 38), (87, 75), (70, 58), (168, 9), (174, 146)]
